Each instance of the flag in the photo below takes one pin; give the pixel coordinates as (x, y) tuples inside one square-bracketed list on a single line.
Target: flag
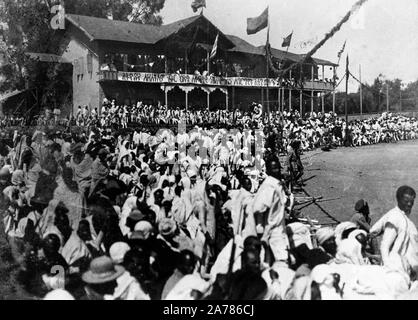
[(196, 4), (214, 48), (342, 50), (257, 24), (287, 40)]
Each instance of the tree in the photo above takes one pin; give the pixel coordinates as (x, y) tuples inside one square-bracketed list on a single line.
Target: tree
[(139, 11), (146, 11), (28, 30), (374, 97)]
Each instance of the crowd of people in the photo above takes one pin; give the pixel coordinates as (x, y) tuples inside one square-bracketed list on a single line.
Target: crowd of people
[(117, 210), (312, 129)]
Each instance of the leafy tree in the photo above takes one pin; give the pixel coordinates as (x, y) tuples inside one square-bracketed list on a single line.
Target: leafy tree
[(29, 30), (146, 11)]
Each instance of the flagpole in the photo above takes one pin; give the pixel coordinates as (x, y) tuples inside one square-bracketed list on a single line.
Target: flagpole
[(267, 68), (361, 94), (347, 75)]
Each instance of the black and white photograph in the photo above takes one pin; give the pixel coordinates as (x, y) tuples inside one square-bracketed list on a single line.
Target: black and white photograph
[(211, 150)]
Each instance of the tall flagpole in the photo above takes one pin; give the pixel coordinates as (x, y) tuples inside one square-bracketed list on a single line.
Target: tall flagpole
[(361, 94), (347, 75), (267, 66)]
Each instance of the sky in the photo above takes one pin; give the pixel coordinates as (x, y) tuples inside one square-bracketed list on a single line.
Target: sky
[(382, 37)]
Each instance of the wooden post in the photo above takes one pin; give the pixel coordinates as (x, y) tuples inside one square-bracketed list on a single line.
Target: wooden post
[(233, 98), (185, 61), (268, 71), (208, 62), (333, 92), (300, 102), (312, 101), (166, 96), (226, 99), (322, 93), (283, 99), (208, 99), (400, 98), (125, 62), (290, 91), (278, 99), (187, 99), (312, 73), (312, 94), (347, 75), (387, 96), (361, 94)]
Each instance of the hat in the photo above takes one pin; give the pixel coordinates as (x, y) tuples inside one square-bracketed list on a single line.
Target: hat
[(167, 227), (324, 234), (102, 270), (118, 250), (4, 172), (58, 294), (360, 205), (136, 215), (142, 230)]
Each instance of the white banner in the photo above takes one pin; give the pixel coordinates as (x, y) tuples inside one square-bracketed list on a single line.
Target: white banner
[(162, 78)]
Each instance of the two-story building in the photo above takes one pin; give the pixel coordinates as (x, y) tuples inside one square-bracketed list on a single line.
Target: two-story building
[(170, 64)]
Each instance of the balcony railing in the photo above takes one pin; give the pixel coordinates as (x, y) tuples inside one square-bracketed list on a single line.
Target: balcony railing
[(189, 79)]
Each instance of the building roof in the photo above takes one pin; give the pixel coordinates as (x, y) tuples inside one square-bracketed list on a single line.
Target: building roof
[(243, 46), (124, 31), (320, 61)]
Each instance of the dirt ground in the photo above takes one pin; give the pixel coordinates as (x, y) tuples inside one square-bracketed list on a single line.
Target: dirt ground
[(371, 172)]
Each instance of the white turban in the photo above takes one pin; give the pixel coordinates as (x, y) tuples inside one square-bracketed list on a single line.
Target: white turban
[(339, 230), (299, 234), (324, 234), (117, 251), (58, 294), (349, 251)]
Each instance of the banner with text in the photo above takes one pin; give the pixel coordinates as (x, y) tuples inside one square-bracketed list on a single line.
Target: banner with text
[(194, 79)]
